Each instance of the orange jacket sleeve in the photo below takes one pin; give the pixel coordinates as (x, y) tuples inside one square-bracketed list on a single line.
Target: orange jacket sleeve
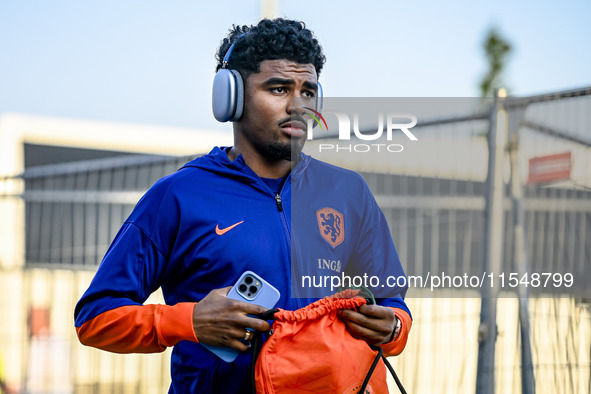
[(394, 348), (139, 328)]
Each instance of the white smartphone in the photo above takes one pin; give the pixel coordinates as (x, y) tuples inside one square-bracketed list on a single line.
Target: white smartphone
[(253, 289)]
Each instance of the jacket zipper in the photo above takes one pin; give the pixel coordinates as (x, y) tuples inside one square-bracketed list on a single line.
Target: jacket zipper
[(287, 229), (287, 232), (279, 203)]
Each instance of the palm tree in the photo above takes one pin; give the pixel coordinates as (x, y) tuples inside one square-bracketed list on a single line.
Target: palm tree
[(497, 49)]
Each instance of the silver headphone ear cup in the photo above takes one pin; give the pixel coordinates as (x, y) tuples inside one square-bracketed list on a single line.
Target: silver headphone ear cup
[(227, 99), (238, 96), (223, 100)]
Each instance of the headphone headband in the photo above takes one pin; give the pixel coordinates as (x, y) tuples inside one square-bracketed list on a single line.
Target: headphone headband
[(230, 50)]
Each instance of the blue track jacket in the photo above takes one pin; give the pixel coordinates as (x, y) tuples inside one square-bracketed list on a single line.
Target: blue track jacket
[(179, 238)]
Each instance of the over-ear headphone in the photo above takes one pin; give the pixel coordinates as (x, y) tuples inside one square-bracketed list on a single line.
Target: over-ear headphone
[(228, 91)]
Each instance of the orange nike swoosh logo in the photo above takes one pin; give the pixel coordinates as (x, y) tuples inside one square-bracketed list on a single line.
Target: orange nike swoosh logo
[(222, 231)]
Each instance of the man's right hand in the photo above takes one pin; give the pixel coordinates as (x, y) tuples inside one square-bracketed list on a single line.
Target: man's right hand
[(222, 321)]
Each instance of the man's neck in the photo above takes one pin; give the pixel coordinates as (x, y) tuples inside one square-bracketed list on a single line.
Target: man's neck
[(261, 166)]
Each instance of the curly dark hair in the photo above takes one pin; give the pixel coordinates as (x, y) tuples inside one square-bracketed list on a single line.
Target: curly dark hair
[(270, 40)]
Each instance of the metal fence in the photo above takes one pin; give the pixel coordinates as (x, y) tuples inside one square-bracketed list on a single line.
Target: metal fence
[(73, 211)]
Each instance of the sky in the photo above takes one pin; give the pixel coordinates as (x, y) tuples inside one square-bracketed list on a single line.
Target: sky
[(152, 62)]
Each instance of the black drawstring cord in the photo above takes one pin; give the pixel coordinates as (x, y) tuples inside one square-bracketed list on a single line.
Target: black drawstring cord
[(256, 345), (391, 369), (371, 369)]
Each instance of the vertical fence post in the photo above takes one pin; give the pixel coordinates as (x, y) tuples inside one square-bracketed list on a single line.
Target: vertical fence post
[(522, 265), (487, 331)]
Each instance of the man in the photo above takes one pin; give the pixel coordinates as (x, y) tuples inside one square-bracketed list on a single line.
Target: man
[(196, 231)]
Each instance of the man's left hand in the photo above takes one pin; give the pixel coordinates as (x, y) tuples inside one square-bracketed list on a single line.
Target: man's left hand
[(372, 323)]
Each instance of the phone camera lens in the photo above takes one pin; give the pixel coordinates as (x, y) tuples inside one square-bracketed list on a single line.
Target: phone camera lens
[(253, 289), (242, 288), (248, 280)]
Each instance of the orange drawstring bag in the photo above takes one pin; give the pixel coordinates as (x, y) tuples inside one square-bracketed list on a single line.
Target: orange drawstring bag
[(311, 351)]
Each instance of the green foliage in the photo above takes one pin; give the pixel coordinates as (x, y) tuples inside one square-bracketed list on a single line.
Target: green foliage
[(497, 50)]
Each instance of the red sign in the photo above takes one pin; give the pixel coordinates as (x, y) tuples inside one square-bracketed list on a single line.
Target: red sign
[(550, 168)]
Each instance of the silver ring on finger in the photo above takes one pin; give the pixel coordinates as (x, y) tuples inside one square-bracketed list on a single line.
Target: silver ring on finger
[(248, 335)]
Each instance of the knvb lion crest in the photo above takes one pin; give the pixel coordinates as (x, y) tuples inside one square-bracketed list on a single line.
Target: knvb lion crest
[(332, 226)]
